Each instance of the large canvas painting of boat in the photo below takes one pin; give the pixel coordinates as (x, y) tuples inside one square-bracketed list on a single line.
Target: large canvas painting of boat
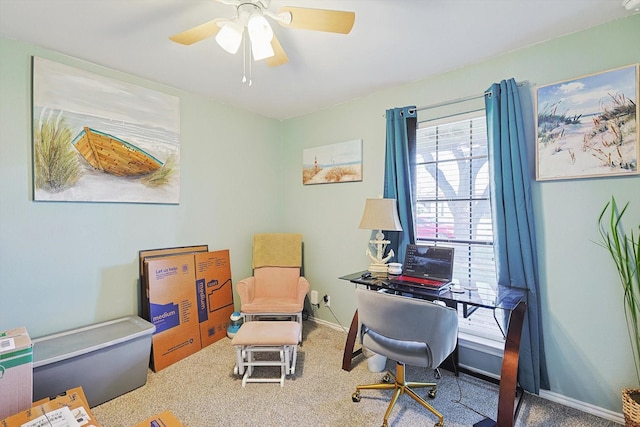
[(98, 139)]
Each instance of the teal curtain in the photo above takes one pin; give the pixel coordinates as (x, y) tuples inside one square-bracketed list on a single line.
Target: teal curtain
[(399, 172), (513, 222)]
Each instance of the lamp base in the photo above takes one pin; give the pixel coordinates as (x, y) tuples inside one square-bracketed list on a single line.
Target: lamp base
[(378, 268)]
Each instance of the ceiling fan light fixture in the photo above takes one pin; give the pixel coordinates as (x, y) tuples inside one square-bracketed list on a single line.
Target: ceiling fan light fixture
[(284, 18), (259, 29), (261, 40), (261, 50), (260, 34), (230, 36)]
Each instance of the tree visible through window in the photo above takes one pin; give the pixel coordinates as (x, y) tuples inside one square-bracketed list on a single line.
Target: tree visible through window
[(453, 207)]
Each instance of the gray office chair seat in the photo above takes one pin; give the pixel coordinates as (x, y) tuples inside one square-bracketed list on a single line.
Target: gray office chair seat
[(410, 331)]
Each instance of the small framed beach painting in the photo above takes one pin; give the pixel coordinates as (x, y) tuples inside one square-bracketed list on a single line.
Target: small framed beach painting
[(98, 139), (340, 162), (588, 127)]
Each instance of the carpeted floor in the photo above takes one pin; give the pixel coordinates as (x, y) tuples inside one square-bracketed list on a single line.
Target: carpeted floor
[(202, 391)]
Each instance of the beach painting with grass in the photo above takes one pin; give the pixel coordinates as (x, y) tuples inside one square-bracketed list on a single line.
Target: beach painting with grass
[(588, 126), (98, 139), (340, 162)]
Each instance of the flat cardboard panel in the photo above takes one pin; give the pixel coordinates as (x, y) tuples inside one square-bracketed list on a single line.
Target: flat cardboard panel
[(16, 371), (215, 294), (74, 399), (162, 252), (165, 419), (172, 309)]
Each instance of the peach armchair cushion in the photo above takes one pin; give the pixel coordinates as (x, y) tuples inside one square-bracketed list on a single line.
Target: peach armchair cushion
[(273, 290)]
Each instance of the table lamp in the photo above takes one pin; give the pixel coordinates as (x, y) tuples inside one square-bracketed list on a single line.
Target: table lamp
[(380, 214)]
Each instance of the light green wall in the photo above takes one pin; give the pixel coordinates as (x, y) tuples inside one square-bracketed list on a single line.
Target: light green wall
[(63, 265), (585, 336)]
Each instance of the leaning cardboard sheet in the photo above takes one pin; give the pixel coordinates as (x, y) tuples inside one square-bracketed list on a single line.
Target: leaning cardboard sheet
[(69, 409), (190, 298)]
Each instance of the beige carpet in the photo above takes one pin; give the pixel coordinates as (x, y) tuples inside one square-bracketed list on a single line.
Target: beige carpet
[(202, 391)]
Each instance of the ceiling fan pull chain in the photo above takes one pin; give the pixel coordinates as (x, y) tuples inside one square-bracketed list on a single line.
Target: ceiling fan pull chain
[(244, 61), (250, 67)]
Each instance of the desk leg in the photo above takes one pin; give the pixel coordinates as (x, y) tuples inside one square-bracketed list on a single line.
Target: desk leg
[(509, 375), (349, 354)]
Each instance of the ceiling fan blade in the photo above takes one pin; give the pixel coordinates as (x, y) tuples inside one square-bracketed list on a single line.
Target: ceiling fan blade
[(333, 21), (197, 33), (280, 56)]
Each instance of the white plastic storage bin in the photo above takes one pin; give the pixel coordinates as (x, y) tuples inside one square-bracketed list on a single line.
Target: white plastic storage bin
[(107, 359)]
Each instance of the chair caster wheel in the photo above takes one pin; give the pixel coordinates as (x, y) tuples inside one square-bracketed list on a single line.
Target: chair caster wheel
[(356, 397), (432, 395), (439, 424), (384, 424), (386, 378)]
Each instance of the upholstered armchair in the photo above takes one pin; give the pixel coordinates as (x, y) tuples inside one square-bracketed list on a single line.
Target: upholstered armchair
[(277, 288)]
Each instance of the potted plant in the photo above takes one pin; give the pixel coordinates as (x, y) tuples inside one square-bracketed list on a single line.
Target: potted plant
[(625, 251)]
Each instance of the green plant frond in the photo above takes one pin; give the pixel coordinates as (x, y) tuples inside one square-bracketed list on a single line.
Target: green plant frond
[(625, 253)]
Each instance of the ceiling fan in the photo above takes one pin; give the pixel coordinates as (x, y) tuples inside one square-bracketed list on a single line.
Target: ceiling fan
[(251, 15)]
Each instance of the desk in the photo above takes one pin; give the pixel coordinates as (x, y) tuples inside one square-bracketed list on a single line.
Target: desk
[(510, 299)]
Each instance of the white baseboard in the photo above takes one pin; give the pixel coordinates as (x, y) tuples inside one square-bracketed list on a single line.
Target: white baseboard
[(480, 371), (588, 408), (325, 323), (616, 417)]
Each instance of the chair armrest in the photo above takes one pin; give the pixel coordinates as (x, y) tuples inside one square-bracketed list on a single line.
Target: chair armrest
[(303, 289), (246, 290)]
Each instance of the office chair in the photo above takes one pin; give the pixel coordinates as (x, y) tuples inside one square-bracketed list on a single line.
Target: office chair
[(410, 331), (277, 287)]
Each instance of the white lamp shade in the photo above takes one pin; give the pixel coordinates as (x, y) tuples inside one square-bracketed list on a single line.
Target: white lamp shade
[(380, 214), (260, 34), (261, 50), (230, 36)]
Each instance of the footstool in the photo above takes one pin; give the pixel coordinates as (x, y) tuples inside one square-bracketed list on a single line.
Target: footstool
[(266, 336)]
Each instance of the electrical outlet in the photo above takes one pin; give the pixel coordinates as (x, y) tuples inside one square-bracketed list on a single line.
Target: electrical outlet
[(327, 301)]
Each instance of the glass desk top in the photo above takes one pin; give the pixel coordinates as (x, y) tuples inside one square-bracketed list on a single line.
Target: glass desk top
[(504, 297)]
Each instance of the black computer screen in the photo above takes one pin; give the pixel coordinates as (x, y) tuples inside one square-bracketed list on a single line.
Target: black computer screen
[(434, 262)]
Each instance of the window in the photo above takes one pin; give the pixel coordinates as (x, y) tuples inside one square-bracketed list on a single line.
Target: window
[(453, 207)]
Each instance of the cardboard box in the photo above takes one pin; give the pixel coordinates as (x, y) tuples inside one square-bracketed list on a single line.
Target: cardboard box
[(215, 294), (73, 399), (16, 371), (156, 253), (172, 309), (165, 419)]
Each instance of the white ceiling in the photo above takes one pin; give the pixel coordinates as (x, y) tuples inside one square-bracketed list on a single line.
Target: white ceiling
[(392, 42)]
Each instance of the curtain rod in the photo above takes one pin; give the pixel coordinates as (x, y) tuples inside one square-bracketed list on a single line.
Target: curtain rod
[(450, 102), (433, 119), (459, 100)]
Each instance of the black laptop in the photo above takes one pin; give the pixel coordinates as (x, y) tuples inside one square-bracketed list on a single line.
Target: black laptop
[(428, 267)]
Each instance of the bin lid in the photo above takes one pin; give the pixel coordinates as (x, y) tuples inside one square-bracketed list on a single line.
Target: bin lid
[(75, 342)]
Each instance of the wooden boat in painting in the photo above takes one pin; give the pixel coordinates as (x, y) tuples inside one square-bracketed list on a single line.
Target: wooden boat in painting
[(113, 155)]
